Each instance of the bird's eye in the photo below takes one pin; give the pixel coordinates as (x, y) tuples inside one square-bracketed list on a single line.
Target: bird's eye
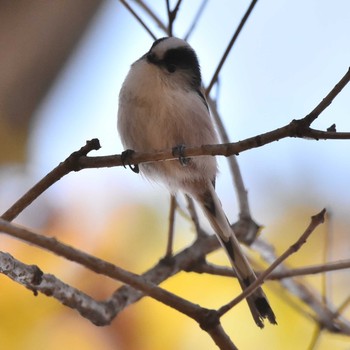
[(171, 68)]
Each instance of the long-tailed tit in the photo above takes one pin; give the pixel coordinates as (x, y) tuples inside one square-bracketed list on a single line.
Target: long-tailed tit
[(161, 106)]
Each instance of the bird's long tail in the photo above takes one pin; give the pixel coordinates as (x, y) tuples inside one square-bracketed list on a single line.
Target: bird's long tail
[(257, 301)]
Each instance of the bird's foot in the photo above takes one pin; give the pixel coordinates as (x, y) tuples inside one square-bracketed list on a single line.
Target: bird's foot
[(178, 151), (126, 157)]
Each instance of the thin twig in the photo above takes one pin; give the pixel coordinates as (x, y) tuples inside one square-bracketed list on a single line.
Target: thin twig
[(170, 20), (151, 13), (316, 220), (311, 270), (325, 135), (192, 210), (311, 117), (64, 168), (30, 276), (196, 19), (344, 305), (216, 270), (237, 176), (172, 15), (181, 261), (325, 316), (315, 338), (172, 210), (326, 250), (229, 47), (139, 19), (246, 226)]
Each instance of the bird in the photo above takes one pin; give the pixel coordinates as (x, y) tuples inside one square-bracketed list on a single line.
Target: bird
[(162, 106)]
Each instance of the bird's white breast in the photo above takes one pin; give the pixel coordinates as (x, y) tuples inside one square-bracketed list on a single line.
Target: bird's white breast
[(155, 114)]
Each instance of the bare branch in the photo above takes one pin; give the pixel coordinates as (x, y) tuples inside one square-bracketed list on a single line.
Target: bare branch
[(151, 13), (70, 164), (34, 279), (139, 19), (344, 305), (315, 338), (170, 19), (276, 275), (327, 246), (103, 267), (229, 47), (311, 270), (326, 135), (196, 19), (172, 15), (221, 339), (245, 227), (172, 210), (316, 220), (192, 210), (325, 316), (310, 118), (78, 160), (182, 261), (293, 129)]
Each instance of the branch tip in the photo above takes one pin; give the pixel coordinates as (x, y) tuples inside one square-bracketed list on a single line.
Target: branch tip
[(91, 145), (319, 218)]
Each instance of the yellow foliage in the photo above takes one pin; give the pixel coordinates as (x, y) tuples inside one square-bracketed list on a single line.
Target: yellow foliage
[(40, 322)]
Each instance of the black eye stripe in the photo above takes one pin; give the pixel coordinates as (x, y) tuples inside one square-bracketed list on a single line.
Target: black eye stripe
[(176, 59), (182, 57)]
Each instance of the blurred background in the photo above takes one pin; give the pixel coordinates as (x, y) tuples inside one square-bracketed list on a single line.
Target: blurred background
[(62, 64)]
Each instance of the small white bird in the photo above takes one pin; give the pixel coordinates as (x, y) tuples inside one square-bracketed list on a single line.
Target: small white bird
[(161, 105)]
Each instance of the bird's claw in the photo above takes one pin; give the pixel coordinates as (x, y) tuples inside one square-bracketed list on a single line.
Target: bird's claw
[(178, 151), (125, 157)]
